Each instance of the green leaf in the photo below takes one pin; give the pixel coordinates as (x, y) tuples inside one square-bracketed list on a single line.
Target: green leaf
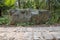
[(9, 2)]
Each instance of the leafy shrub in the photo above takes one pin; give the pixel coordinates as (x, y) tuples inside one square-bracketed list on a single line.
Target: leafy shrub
[(25, 24), (36, 4), (4, 20)]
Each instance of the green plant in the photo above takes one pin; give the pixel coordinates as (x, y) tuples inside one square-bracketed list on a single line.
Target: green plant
[(55, 11), (36, 4), (24, 24), (6, 4), (4, 20)]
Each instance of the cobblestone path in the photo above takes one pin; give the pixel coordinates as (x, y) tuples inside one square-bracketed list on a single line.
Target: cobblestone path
[(29, 33)]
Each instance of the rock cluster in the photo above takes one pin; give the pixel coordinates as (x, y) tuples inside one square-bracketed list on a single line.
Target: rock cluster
[(29, 15)]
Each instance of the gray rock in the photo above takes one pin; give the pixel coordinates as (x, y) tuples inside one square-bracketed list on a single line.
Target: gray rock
[(20, 15), (28, 15), (40, 16)]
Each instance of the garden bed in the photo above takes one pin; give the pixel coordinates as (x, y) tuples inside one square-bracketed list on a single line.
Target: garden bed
[(41, 25)]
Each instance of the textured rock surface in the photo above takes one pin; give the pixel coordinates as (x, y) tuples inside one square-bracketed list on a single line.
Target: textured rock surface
[(29, 15), (42, 16)]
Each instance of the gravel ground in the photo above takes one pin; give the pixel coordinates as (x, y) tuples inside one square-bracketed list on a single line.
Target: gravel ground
[(30, 33)]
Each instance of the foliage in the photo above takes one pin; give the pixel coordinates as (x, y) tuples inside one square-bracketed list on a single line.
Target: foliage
[(24, 24), (6, 4), (4, 20), (55, 12), (9, 2), (36, 4)]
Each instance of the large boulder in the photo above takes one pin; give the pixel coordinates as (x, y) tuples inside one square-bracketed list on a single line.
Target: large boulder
[(19, 15), (40, 16), (29, 15)]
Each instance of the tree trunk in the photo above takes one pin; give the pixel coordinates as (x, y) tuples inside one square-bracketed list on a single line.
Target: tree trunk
[(48, 3), (0, 12), (19, 3)]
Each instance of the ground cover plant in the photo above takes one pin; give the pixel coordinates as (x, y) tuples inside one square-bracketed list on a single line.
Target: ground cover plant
[(52, 5)]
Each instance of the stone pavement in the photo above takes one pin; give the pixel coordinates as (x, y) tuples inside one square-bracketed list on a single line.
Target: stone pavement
[(29, 33)]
